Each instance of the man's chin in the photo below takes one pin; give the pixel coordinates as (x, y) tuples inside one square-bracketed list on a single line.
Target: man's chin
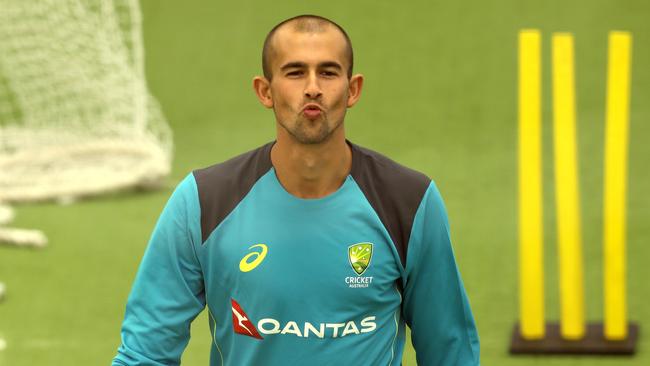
[(313, 140), (306, 138), (310, 132)]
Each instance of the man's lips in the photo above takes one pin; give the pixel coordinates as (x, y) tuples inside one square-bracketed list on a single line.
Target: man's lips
[(312, 111)]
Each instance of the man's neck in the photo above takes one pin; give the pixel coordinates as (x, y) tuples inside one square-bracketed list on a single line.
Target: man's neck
[(311, 171)]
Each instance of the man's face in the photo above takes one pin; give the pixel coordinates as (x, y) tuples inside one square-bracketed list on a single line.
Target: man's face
[(310, 87)]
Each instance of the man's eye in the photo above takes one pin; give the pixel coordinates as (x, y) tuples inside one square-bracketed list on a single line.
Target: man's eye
[(328, 73), (294, 73)]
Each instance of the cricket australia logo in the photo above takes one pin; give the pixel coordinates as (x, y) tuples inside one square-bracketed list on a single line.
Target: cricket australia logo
[(359, 257)]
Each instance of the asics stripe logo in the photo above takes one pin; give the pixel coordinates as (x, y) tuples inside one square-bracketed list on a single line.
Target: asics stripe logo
[(252, 260)]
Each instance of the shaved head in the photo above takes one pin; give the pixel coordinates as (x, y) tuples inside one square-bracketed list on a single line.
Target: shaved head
[(303, 24)]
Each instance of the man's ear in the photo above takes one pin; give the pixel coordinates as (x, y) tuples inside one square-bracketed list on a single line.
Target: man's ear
[(354, 89), (262, 89)]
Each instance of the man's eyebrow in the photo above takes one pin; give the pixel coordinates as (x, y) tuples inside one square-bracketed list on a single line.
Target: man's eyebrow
[(293, 65), (333, 64), (298, 64)]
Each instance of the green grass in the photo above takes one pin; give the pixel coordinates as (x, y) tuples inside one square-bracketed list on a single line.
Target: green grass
[(440, 96)]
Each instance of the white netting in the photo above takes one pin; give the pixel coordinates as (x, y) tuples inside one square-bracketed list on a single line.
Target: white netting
[(76, 117)]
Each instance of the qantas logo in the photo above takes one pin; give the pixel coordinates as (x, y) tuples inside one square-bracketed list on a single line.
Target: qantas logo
[(240, 322), (242, 325)]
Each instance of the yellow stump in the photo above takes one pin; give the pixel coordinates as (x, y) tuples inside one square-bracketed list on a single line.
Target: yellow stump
[(615, 336), (531, 276), (616, 147), (566, 189)]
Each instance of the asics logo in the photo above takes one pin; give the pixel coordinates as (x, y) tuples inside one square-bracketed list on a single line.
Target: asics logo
[(252, 260)]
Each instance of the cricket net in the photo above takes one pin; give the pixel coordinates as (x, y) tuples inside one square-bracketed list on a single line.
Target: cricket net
[(76, 117)]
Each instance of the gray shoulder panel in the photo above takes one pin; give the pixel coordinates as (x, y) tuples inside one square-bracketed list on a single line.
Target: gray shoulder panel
[(393, 190), (222, 186)]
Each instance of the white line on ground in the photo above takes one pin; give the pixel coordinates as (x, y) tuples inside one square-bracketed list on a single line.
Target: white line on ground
[(6, 214), (22, 237)]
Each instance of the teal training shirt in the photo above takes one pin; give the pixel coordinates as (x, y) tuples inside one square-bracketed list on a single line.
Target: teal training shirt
[(290, 281)]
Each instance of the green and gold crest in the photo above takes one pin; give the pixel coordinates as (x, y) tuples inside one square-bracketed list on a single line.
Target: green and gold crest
[(359, 256)]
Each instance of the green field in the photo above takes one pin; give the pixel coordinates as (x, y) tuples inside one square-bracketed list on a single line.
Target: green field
[(440, 96)]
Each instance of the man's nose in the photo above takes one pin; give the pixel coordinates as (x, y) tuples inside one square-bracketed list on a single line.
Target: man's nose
[(312, 89)]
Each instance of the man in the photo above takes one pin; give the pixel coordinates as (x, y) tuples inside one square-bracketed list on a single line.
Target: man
[(309, 250)]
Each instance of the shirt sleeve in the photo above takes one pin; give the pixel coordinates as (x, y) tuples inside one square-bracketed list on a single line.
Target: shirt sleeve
[(435, 304), (168, 292)]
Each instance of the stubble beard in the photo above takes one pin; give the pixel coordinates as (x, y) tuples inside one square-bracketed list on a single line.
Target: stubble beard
[(310, 132)]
